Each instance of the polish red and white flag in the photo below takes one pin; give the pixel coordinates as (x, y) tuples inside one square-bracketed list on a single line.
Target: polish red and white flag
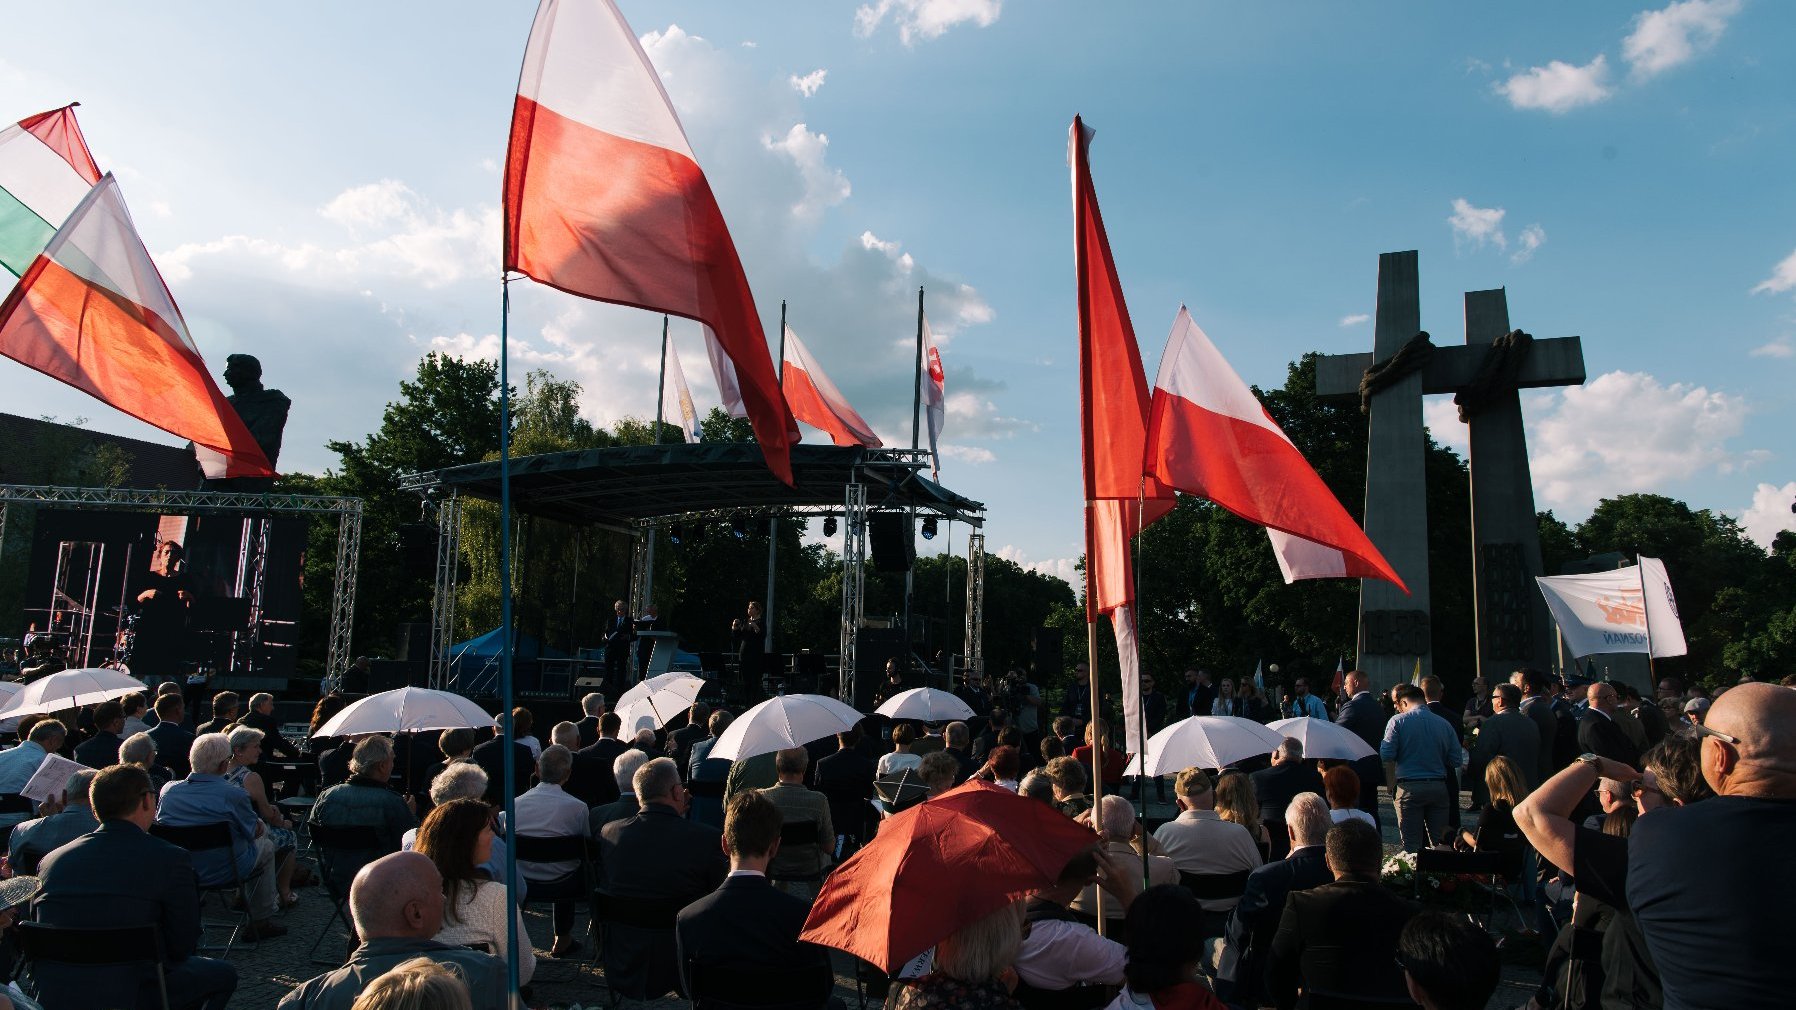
[(816, 401), (1209, 436), (605, 199)]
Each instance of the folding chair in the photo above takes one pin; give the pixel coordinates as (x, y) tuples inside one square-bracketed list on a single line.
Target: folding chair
[(13, 803), (341, 852), (799, 834), (743, 988), (651, 957), (119, 947), (198, 838), (1214, 887)]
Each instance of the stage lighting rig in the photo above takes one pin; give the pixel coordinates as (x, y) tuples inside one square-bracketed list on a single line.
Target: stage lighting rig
[(829, 526), (929, 528)]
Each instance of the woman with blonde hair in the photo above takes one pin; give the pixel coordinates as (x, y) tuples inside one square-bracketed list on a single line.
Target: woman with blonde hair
[(418, 984), (1235, 802), (973, 967), (1497, 831)]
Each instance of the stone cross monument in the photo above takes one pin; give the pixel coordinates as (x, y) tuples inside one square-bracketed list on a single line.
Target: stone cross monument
[(1485, 375)]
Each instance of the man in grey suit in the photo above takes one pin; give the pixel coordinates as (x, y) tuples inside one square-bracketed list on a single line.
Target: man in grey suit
[(1509, 734), (1537, 706), (1362, 714)]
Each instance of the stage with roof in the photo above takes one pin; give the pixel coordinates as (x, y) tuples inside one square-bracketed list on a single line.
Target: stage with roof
[(635, 489)]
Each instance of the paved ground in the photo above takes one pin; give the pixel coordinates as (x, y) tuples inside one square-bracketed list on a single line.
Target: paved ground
[(270, 969)]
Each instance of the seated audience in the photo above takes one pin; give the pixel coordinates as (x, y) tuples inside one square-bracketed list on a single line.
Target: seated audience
[(1448, 963), (418, 984), (547, 811), (121, 875), (1338, 938), (458, 838), (1004, 766), (592, 706), (798, 804), (1115, 761), (900, 758), (1037, 786), (1497, 831), (1275, 787), (261, 716), (626, 804), (1165, 948), (1059, 952), (35, 839), (1123, 839), (246, 754), (958, 743), (101, 749), (938, 772), (204, 797), (225, 706), (136, 708), (490, 756), (173, 740), (746, 924), (140, 749), (1236, 803), (1071, 782), (366, 800), (1200, 842), (1241, 974), (523, 729), (456, 745), (970, 965), (1341, 785), (710, 774), (465, 781), (46, 736), (680, 741), (396, 903), (845, 778)]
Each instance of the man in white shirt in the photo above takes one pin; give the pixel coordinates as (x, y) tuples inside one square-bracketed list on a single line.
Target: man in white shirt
[(1119, 826), (1199, 841), (547, 811), (20, 763), (1061, 952)]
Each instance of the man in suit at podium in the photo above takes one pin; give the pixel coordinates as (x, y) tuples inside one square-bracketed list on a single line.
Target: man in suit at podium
[(620, 631)]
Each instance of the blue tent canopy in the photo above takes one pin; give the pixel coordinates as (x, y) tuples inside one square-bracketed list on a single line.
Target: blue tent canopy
[(487, 647)]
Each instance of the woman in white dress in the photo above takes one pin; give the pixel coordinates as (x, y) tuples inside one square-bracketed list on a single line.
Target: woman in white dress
[(458, 837)]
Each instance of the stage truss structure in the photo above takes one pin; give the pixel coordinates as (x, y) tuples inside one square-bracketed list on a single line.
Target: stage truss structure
[(973, 666), (854, 584), (348, 512)]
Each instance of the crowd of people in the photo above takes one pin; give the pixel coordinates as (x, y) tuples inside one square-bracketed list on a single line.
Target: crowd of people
[(697, 873)]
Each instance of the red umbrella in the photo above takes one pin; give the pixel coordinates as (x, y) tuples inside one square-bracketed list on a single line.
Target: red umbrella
[(941, 865)]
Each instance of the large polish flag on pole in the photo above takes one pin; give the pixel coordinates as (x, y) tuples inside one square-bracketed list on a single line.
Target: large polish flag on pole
[(816, 401), (92, 311), (45, 171), (605, 199), (1211, 437), (1119, 500)]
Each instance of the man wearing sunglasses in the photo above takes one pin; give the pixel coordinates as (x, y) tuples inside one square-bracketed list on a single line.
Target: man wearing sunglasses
[(1710, 884)]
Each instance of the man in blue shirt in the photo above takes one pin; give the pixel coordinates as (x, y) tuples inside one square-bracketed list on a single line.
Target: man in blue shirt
[(1303, 703), (33, 840), (1423, 747), (20, 763), (205, 796)]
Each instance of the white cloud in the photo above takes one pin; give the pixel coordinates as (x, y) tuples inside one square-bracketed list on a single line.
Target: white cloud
[(1781, 347), (1475, 226), (1769, 513), (969, 454), (824, 186), (1625, 432), (924, 19), (809, 83), (1558, 87), (160, 208), (1441, 415), (1783, 277), (1064, 569), (1355, 319), (1664, 39), (1531, 238), (873, 243)]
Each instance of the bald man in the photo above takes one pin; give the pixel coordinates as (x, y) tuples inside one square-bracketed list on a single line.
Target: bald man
[(1710, 883), (397, 904)]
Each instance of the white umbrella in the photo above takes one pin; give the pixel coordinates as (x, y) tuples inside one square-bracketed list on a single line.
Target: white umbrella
[(1322, 739), (70, 689), (407, 710), (790, 720), (1205, 741), (7, 690), (635, 717), (925, 704), (662, 696)]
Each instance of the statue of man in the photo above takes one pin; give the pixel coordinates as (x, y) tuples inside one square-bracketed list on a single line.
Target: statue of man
[(264, 413)]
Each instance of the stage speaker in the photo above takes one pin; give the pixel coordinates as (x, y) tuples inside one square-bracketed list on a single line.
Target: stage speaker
[(412, 641), (893, 540), (807, 673), (418, 550), (392, 674), (1049, 654), (872, 647)]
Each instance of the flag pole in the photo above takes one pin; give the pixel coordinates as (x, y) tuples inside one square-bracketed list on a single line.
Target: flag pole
[(773, 523), (661, 386), (1140, 709), (1097, 739), (916, 399), (505, 687)]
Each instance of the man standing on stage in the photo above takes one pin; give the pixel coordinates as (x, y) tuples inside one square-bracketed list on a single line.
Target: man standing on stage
[(748, 634), (620, 631)]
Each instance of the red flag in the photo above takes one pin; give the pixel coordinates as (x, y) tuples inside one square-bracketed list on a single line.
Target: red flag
[(605, 199), (93, 312), (816, 401), (60, 133), (1113, 402), (1209, 436)]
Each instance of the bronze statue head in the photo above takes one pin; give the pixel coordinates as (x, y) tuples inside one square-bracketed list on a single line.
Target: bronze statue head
[(243, 373)]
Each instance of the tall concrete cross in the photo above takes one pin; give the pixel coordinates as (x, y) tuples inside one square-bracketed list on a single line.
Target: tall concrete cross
[(1514, 628)]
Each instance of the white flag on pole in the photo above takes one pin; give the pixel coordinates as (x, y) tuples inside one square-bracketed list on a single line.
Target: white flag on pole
[(1610, 611), (1128, 658), (682, 397)]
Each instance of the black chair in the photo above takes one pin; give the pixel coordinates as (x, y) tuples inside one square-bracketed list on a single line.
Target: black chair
[(801, 834), (739, 988), (119, 947), (1376, 986), (1078, 997), (1214, 887), (636, 937), (576, 885), (342, 852), (198, 838), (13, 803)]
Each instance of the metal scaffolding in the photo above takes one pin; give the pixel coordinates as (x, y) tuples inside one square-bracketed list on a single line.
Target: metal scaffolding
[(975, 644), (854, 582), (448, 572), (347, 510)]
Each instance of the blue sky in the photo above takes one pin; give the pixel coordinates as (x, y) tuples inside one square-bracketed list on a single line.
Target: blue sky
[(319, 183)]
